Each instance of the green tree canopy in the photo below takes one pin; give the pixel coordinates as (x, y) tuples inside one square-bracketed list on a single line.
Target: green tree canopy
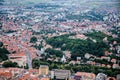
[(1, 44), (33, 39), (3, 53), (57, 53), (10, 64)]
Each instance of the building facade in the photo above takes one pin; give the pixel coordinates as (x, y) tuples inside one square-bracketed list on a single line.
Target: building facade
[(43, 70), (62, 74)]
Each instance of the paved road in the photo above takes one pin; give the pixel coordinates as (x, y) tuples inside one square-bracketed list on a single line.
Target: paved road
[(29, 59)]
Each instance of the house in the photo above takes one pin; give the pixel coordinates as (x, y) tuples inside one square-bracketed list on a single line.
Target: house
[(87, 55), (114, 42), (115, 66), (5, 76), (108, 66), (78, 58), (10, 73), (113, 60), (47, 46), (108, 53), (84, 76), (106, 58), (105, 40), (72, 62), (67, 54), (103, 65), (93, 63)]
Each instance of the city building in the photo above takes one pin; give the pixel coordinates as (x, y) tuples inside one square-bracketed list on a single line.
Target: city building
[(61, 74), (84, 76), (43, 70)]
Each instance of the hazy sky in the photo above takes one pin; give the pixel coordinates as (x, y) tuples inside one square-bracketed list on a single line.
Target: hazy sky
[(78, 2), (36, 1)]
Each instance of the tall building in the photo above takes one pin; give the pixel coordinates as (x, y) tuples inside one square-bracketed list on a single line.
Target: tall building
[(43, 70)]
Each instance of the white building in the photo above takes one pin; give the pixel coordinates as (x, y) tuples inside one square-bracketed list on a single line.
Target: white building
[(63, 59)]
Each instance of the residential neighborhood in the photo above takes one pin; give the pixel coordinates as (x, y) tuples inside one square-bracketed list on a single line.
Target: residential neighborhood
[(59, 40)]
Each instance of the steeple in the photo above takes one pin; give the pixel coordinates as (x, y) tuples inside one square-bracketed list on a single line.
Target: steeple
[(63, 59)]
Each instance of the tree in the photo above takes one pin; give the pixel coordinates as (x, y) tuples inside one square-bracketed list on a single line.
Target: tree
[(38, 47), (4, 50), (57, 53), (10, 64), (33, 39), (3, 54), (1, 44), (79, 47), (36, 64), (3, 57)]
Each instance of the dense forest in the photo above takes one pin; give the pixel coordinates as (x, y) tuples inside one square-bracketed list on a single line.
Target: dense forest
[(79, 47)]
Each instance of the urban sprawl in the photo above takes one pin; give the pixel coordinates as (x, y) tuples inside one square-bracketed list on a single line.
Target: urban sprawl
[(60, 40)]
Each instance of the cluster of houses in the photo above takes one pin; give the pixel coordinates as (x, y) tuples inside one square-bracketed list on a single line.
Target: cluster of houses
[(43, 73), (17, 29)]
